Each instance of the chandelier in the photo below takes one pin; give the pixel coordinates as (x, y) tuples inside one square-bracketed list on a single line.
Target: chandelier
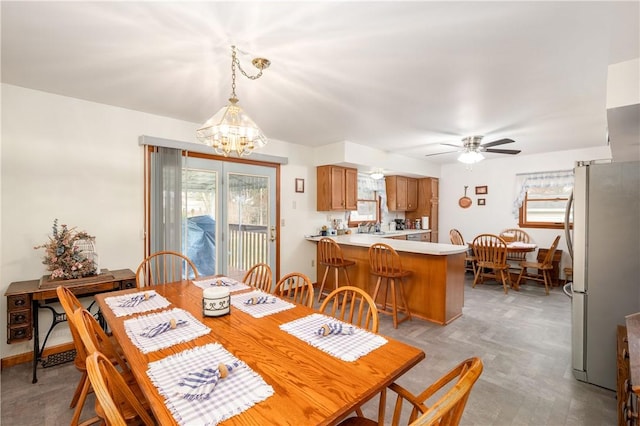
[(231, 130)]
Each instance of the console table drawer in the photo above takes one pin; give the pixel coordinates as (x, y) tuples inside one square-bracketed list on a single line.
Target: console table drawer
[(17, 334), (21, 301), (22, 317)]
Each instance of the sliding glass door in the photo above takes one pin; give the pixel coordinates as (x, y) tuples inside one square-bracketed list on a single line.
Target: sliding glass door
[(229, 215)]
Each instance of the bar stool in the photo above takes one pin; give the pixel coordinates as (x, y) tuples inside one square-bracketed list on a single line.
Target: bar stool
[(384, 262), (330, 256)]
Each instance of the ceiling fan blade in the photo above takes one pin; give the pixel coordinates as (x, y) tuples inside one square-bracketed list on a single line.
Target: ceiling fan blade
[(440, 153), (498, 142), (452, 144), (503, 151)]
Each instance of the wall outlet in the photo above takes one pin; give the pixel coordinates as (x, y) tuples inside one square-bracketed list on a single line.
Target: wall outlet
[(313, 263), (281, 222)]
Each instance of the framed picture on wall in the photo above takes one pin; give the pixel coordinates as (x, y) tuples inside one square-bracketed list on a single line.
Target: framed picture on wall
[(299, 185), (481, 201), (481, 190)]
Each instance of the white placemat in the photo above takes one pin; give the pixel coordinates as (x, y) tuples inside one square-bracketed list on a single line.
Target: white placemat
[(134, 303), (345, 347), (136, 327), (262, 309), (233, 285), (240, 390)]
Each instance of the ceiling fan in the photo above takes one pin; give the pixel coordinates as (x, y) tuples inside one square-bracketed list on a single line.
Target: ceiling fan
[(472, 148)]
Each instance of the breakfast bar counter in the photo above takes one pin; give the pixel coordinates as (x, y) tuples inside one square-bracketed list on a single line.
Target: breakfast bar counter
[(435, 290)]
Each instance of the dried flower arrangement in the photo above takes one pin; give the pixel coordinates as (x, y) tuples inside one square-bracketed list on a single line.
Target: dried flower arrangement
[(63, 257)]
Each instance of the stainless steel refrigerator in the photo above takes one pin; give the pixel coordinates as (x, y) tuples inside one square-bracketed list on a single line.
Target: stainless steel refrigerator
[(606, 264)]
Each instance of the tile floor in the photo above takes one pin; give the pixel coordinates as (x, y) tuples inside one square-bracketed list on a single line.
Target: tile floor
[(523, 339)]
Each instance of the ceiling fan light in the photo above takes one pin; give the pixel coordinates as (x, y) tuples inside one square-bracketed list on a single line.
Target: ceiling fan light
[(470, 157)]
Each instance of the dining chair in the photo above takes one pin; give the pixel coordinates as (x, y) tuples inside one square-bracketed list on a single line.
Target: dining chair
[(259, 276), (543, 269), (515, 234), (469, 260), (447, 409), (490, 252), (330, 256), (70, 304), (95, 340), (296, 287), (385, 263), (353, 305), (118, 403), (164, 267)]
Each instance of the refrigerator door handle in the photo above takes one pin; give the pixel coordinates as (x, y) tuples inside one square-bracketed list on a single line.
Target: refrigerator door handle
[(567, 225)]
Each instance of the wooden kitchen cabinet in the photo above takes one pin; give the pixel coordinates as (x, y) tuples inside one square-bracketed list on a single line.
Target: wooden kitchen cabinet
[(427, 204), (337, 188), (402, 193)]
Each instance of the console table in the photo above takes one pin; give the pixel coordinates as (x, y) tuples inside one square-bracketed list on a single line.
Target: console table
[(26, 298)]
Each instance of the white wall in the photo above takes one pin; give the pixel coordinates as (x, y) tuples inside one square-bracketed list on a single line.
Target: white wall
[(80, 162), (499, 175)]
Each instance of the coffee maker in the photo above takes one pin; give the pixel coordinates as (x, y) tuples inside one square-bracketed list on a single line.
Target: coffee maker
[(399, 224)]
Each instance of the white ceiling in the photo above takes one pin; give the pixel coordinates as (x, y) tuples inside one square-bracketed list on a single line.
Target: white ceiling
[(397, 76)]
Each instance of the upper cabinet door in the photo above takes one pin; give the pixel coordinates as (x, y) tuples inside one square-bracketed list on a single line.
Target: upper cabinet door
[(337, 188)]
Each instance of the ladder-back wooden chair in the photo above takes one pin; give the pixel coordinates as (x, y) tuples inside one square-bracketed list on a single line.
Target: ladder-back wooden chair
[(297, 287), (70, 304), (469, 260), (259, 276), (119, 404), (352, 305), (447, 410), (330, 256), (515, 234), (385, 263), (543, 269), (490, 252), (165, 267)]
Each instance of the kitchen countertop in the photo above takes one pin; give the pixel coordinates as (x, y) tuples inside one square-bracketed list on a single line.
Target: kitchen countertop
[(366, 240)]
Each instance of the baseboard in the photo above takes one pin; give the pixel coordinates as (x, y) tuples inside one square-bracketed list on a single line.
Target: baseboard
[(28, 357)]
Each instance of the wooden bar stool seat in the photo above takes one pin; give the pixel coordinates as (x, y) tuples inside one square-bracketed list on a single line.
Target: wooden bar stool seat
[(330, 256), (384, 262)]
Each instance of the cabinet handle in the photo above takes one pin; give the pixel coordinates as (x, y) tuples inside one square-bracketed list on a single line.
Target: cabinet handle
[(19, 302)]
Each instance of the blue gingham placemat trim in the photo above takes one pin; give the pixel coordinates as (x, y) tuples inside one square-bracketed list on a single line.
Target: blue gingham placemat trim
[(345, 347), (230, 283), (239, 391), (135, 326), (154, 302), (260, 310)]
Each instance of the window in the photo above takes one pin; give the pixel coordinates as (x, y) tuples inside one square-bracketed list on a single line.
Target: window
[(369, 201), (544, 198)]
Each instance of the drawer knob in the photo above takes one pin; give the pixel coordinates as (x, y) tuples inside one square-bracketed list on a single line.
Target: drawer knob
[(19, 302)]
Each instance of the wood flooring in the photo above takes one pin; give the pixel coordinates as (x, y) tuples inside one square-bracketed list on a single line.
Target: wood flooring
[(523, 339)]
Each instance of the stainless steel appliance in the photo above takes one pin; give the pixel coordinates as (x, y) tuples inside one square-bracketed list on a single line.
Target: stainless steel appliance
[(605, 247)]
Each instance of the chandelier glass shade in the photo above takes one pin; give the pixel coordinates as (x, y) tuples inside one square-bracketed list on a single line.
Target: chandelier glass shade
[(231, 130), (470, 156)]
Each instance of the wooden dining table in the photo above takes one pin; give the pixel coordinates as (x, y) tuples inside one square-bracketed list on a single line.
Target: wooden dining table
[(311, 387)]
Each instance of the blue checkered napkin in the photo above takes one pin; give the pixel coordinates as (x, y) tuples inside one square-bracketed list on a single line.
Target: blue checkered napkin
[(230, 283), (259, 310), (136, 329), (134, 303), (347, 347), (242, 389)]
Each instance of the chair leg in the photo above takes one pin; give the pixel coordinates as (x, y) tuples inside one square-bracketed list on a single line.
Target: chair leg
[(81, 400), (503, 276), (522, 272), (547, 280), (394, 304), (324, 279), (476, 276), (346, 274), (376, 290), (76, 394), (404, 302)]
